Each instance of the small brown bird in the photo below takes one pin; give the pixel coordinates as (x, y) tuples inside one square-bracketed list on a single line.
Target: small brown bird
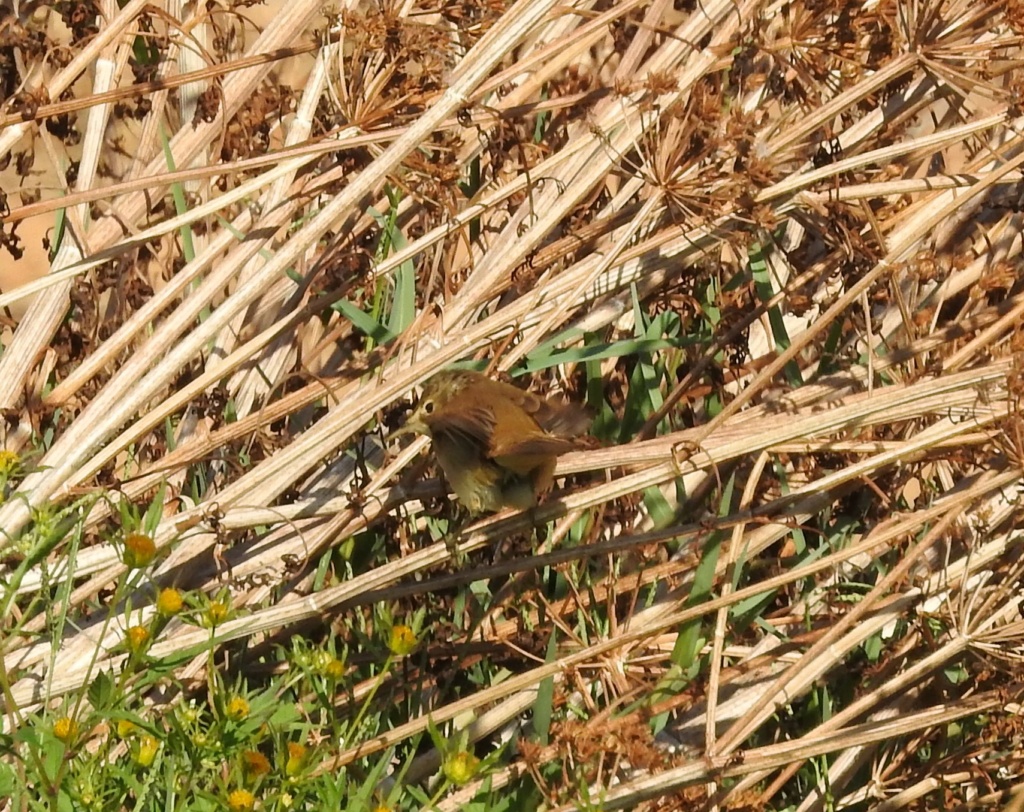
[(496, 443)]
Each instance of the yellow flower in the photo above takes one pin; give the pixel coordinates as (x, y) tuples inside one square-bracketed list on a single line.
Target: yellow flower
[(169, 601), (9, 462), (327, 664), (137, 638), (148, 746), (460, 767), (296, 759), (335, 669), (217, 612), (238, 708), (65, 729), (139, 550), (402, 640), (255, 763), (241, 800), (126, 728)]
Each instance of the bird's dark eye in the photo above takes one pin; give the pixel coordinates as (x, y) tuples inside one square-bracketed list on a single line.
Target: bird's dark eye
[(428, 407)]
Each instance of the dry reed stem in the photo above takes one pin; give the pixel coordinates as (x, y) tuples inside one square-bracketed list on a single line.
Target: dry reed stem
[(616, 215)]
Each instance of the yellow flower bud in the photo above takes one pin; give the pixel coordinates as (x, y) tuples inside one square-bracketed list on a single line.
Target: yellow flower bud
[(402, 640), (139, 550), (461, 767)]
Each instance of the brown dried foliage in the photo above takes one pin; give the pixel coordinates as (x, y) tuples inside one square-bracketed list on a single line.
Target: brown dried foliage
[(715, 155)]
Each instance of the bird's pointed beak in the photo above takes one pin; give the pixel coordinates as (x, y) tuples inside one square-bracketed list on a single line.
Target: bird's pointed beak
[(413, 425), (403, 430)]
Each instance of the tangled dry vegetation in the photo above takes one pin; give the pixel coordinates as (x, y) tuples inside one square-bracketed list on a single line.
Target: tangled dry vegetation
[(775, 246)]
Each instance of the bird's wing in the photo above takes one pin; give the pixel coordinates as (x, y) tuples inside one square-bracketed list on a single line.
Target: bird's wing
[(522, 438), (475, 425), (561, 419), (539, 445)]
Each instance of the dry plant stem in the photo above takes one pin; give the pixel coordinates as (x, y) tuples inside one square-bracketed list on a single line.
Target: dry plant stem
[(109, 65), (899, 253), (343, 520), (314, 605), (190, 38), (239, 193), (37, 327), (722, 617), (776, 756), (899, 188), (940, 338), (228, 168), (629, 66), (10, 135), (133, 326), (161, 85), (767, 427), (921, 790), (897, 403), (884, 155), (476, 65), (742, 729), (881, 536), (898, 686), (870, 85), (986, 338)]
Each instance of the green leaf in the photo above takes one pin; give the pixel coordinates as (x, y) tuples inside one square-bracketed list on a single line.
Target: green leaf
[(537, 361), (363, 322), (543, 705), (662, 515), (155, 511), (59, 230), (180, 203), (8, 780), (101, 691), (403, 300), (762, 274)]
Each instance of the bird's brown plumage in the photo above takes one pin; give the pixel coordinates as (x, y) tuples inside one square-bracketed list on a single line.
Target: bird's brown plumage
[(496, 443)]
